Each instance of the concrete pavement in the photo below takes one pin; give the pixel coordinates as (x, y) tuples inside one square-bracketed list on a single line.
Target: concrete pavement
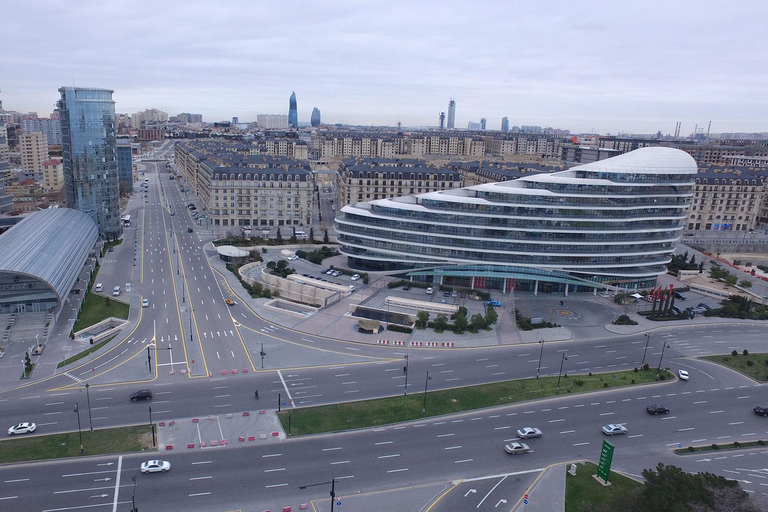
[(547, 494)]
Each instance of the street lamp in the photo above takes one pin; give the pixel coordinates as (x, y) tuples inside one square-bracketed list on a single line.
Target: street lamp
[(648, 340), (662, 354), (154, 439), (88, 395), (541, 353), (79, 431), (333, 489), (564, 358), (426, 382), (133, 498), (261, 353), (405, 370)]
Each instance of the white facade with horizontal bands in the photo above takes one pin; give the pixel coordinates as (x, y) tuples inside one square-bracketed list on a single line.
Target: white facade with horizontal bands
[(612, 223)]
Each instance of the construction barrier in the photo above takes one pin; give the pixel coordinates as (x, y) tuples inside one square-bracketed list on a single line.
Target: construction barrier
[(169, 447), (223, 372), (262, 411), (245, 370), (303, 506), (233, 372), (195, 420), (191, 445), (275, 434), (223, 442), (171, 423), (251, 438), (246, 413), (240, 438), (161, 424)]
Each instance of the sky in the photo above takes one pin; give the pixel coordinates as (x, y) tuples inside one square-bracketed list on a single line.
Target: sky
[(587, 66)]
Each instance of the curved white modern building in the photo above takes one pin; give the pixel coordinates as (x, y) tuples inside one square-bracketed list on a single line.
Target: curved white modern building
[(608, 224)]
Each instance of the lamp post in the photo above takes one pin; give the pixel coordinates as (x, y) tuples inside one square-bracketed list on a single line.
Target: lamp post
[(333, 489), (541, 353), (79, 430), (133, 498), (662, 354), (405, 369), (88, 396), (424, 408), (263, 355), (154, 439), (647, 341), (560, 373)]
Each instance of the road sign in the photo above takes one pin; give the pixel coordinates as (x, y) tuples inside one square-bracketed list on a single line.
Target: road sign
[(606, 457)]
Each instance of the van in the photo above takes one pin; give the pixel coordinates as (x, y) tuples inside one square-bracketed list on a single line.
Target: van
[(99, 287), (116, 291), (301, 234)]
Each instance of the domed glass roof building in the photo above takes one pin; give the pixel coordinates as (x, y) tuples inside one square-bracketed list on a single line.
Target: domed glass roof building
[(608, 224)]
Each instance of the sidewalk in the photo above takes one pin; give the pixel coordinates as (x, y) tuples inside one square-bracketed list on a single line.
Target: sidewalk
[(547, 493)]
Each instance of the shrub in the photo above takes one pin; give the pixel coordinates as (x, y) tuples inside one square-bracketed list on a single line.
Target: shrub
[(605, 384), (590, 373), (736, 444), (578, 382), (749, 362), (746, 352), (636, 370), (760, 442), (715, 446), (735, 353), (691, 449), (646, 367), (399, 328), (633, 381)]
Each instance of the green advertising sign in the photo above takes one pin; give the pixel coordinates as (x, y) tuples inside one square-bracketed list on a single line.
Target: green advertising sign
[(606, 457)]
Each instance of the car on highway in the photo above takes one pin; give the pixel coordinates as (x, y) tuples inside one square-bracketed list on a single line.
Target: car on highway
[(683, 375), (355, 277), (494, 303), (155, 466), (515, 448), (657, 409), (528, 432), (142, 394), (145, 303), (190, 230), (229, 302), (761, 410), (22, 428), (612, 429)]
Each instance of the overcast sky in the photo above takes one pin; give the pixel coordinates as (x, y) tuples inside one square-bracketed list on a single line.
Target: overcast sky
[(604, 66)]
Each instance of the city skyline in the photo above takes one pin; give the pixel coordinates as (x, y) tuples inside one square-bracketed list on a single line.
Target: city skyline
[(594, 67)]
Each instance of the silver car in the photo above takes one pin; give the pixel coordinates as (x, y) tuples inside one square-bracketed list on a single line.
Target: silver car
[(528, 432), (613, 429), (155, 466)]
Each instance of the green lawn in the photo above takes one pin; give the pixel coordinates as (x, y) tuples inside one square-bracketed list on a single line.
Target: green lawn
[(369, 413), (97, 308), (751, 365), (582, 488), (54, 446), (89, 350)]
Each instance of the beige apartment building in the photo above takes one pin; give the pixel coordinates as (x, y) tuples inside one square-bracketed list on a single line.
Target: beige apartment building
[(53, 176), (728, 199), (377, 178), (242, 190), (34, 151)]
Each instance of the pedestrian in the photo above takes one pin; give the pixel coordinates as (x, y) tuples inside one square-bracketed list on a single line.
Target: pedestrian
[(562, 303)]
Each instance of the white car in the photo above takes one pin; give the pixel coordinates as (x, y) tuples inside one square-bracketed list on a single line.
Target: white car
[(155, 466), (145, 303), (292, 257), (528, 432), (515, 448), (355, 277), (22, 428), (612, 430), (683, 375)]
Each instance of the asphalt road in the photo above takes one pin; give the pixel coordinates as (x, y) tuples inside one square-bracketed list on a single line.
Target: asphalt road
[(188, 333)]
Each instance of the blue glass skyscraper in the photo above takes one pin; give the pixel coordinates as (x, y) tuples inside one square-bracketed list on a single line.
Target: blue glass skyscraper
[(293, 112), (315, 119), (90, 156)]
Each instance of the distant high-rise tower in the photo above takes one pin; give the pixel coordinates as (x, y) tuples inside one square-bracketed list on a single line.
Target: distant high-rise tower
[(235, 120), (505, 124), (442, 120), (315, 119), (482, 124), (293, 112), (451, 114), (6, 200), (90, 156)]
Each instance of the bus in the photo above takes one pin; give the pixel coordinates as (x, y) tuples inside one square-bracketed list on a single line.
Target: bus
[(126, 220)]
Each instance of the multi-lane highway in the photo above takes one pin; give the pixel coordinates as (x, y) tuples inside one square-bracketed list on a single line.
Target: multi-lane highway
[(187, 336)]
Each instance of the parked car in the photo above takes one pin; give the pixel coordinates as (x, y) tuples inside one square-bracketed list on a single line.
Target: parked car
[(355, 277), (99, 287), (429, 291), (155, 466), (406, 287), (190, 230), (22, 428), (528, 432), (494, 303), (679, 296), (142, 394), (683, 375), (614, 429), (705, 306), (515, 448), (761, 410), (657, 409), (292, 257), (446, 293)]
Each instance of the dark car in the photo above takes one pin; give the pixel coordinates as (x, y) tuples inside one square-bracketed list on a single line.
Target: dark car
[(657, 409), (702, 305), (407, 287), (679, 296), (111, 249), (446, 293), (189, 230), (761, 410), (142, 394)]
